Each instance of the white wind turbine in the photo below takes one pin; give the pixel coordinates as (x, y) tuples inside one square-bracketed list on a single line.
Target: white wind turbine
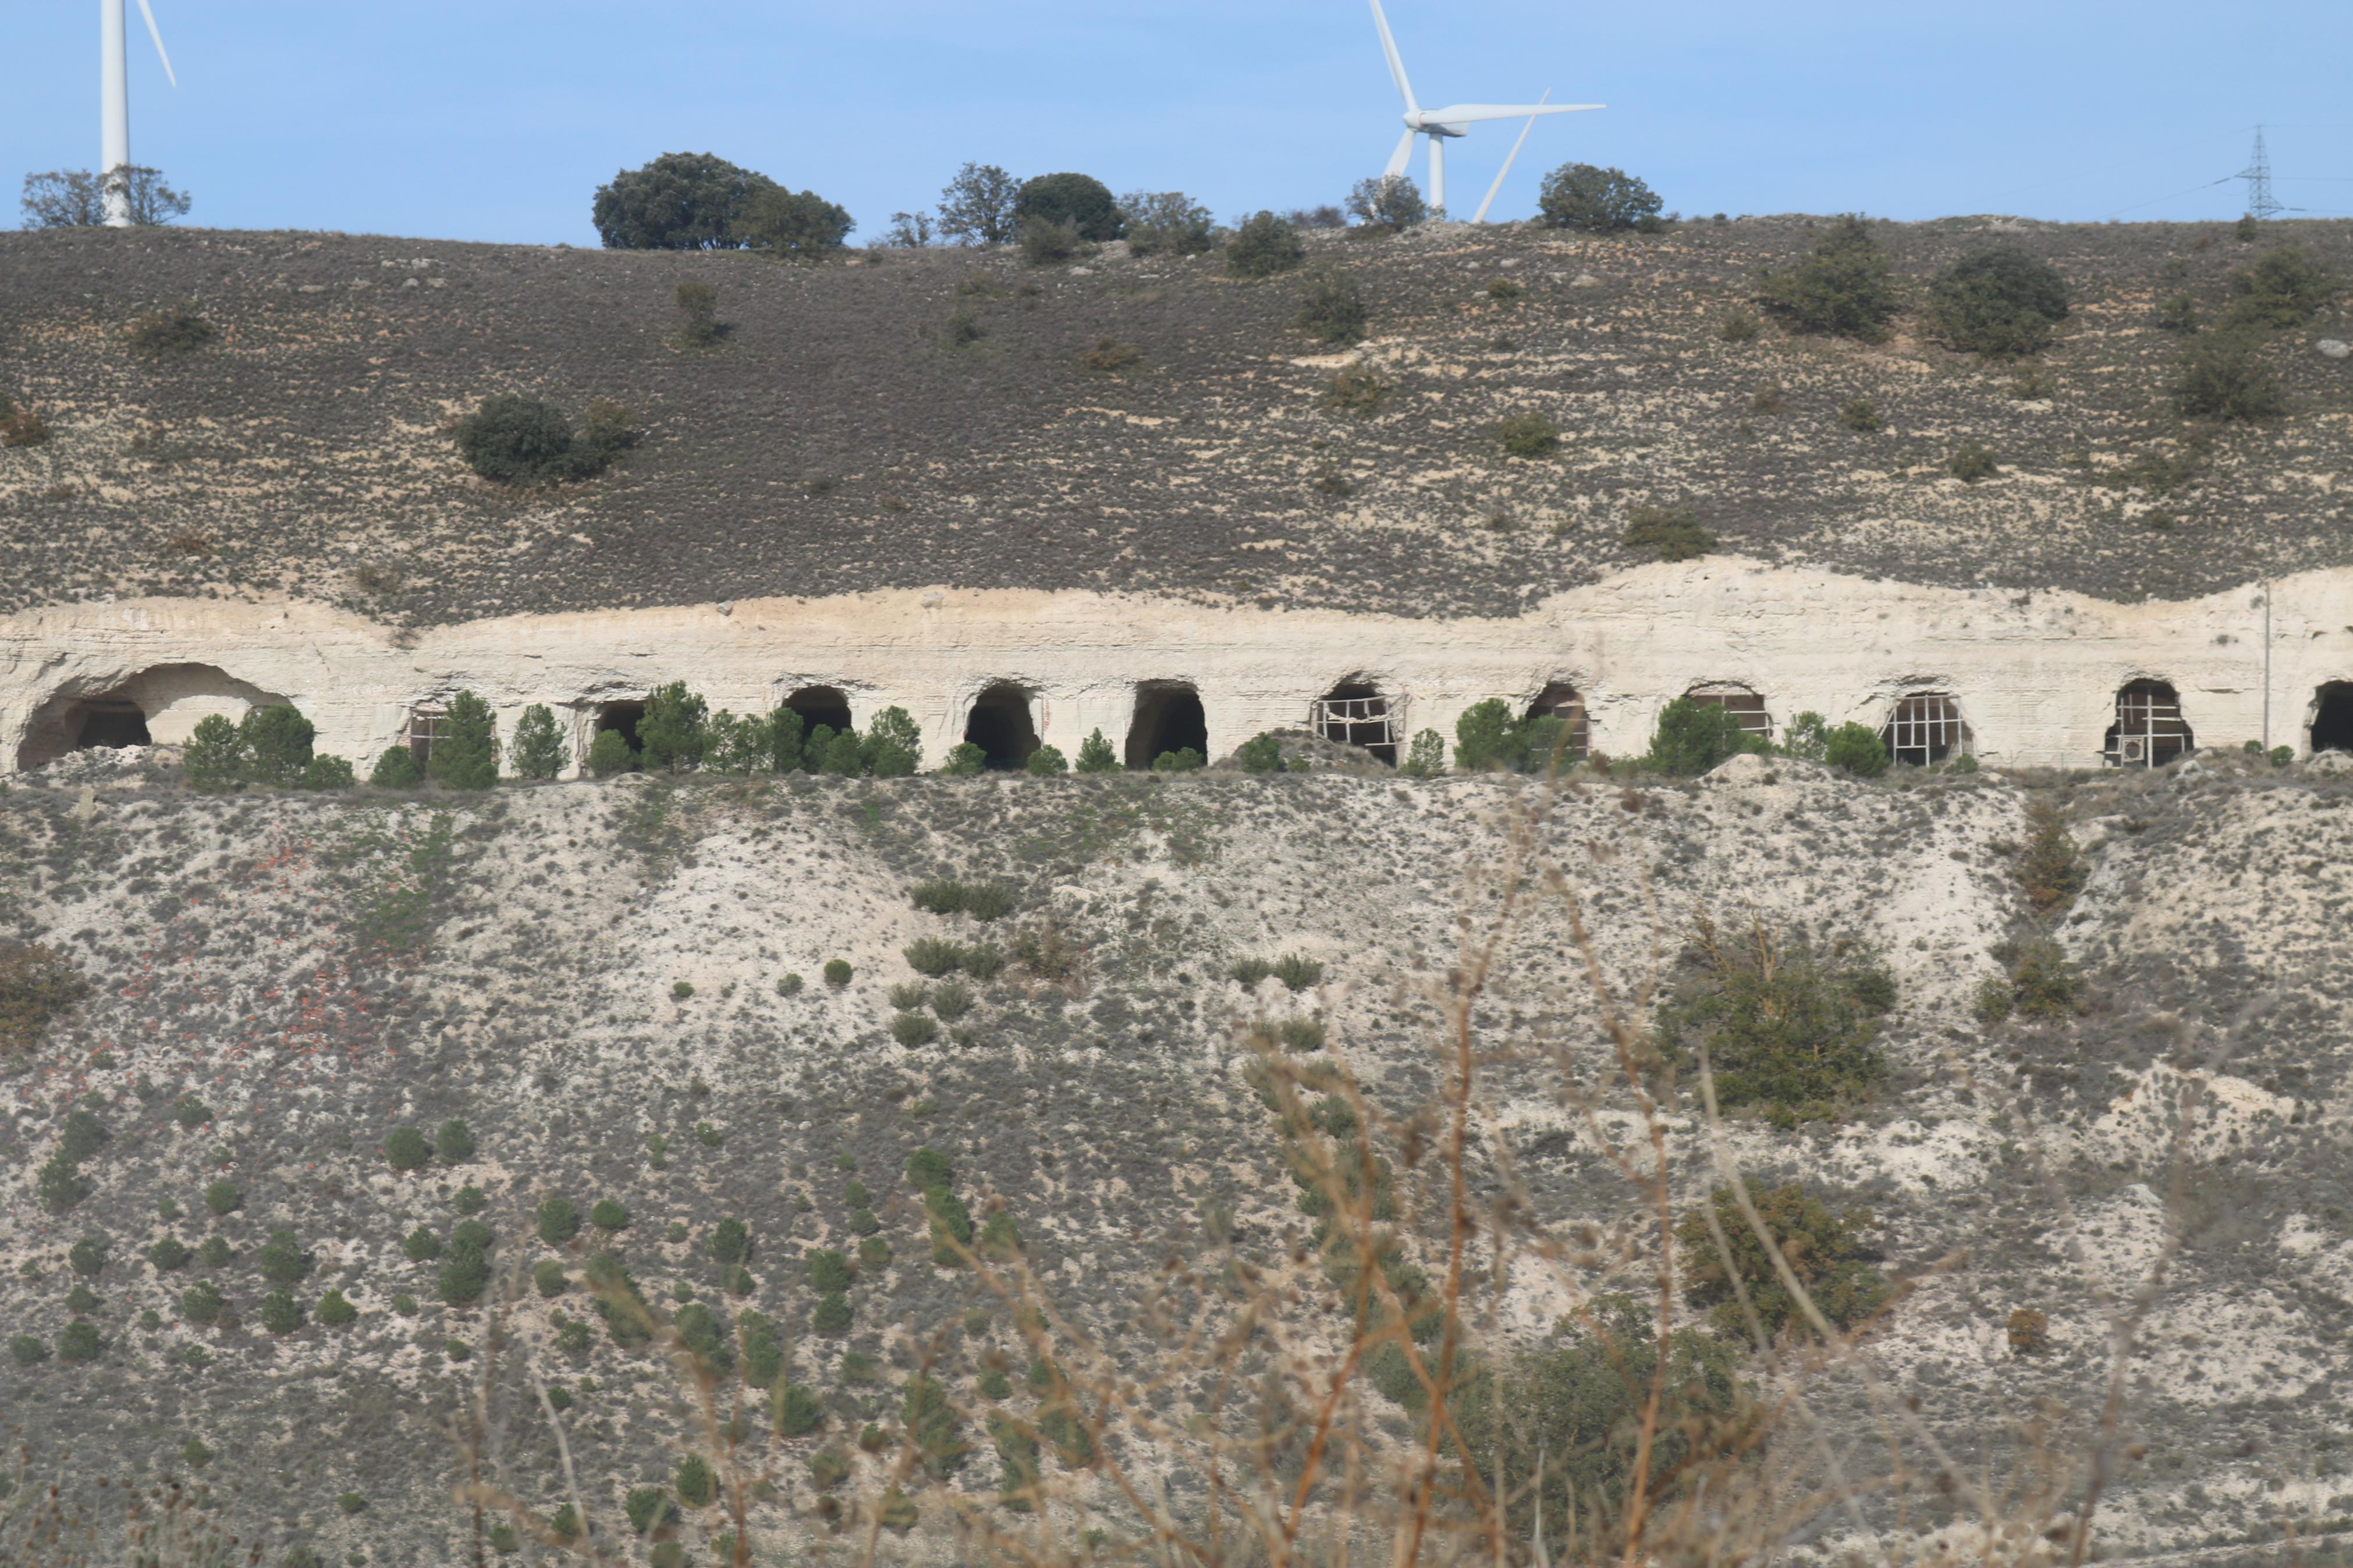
[(114, 104), (1439, 124)]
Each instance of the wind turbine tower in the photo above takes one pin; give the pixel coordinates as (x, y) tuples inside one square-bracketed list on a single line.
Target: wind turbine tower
[(1440, 125), (114, 104)]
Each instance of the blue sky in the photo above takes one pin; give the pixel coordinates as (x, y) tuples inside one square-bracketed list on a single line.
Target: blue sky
[(496, 119)]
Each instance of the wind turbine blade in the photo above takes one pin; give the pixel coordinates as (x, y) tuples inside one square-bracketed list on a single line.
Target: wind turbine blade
[(144, 10), (1388, 48), (1505, 172), (1399, 158), (1463, 113)]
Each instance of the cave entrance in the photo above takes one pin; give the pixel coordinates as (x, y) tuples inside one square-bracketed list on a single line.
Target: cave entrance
[(2149, 731), (107, 721), (1742, 703), (1924, 728), (1168, 717), (1001, 727), (160, 706), (826, 705), (1565, 703), (623, 716), (1354, 713), (2332, 719)]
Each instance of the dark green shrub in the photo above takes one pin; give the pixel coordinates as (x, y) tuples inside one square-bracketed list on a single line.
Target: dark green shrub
[(1738, 326), (1856, 749), (1843, 286), (36, 983), (2001, 303), (454, 1142), (216, 1253), (334, 1309), (730, 1241), (1047, 762), (649, 1508), (517, 440), (799, 1414), (81, 1298), (1971, 462), (837, 971), (421, 1245), (27, 1351), (1561, 1431), (1668, 533), (1080, 200), (559, 1222), (1528, 434), (914, 1029), (1095, 755), (1598, 200), (1424, 755), (173, 333), (790, 986), (609, 754), (680, 201), (1332, 309), (932, 956), (282, 1259), (998, 1239), (951, 1002), (1296, 971), (928, 1169), (965, 761), (1164, 222), (223, 1199), (396, 769), (1823, 1249), (466, 751), (2044, 984), (87, 1257), (191, 1112), (275, 746), (2281, 288), (699, 304), (873, 1252), (1391, 204), (406, 1150), (1251, 971), (2220, 377), (934, 1428), (792, 225), (845, 755), (2176, 313), (833, 1316), (894, 747), (705, 1333), (1356, 389), (82, 1136), (464, 1278), (828, 1467), (673, 733), (828, 1271), (77, 1343), (1859, 414), (323, 773), (1302, 1033), (202, 1303), (1044, 242), (951, 1225), (1694, 736), (213, 761), (169, 1254), (1261, 754), (280, 1313), (982, 960), (608, 1214), (1263, 245), (1783, 1029), (471, 1200)]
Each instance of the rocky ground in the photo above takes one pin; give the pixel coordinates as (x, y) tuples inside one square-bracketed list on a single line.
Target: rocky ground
[(911, 418), (588, 977)]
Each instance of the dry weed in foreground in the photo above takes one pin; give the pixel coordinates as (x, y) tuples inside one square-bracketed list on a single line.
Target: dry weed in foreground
[(1361, 1393)]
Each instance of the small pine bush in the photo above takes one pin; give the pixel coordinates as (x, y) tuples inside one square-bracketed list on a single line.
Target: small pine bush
[(1971, 462), (1332, 309), (833, 1316), (932, 956), (1597, 201), (730, 1241), (1694, 737), (828, 1270), (213, 761), (558, 1221), (78, 1341), (1860, 414), (2220, 377), (454, 1142), (223, 1199), (1784, 1030), (1298, 972), (282, 1259), (280, 1313), (202, 1303), (334, 1309), (1185, 760), (1824, 1250), (87, 1257), (396, 769), (2283, 287), (1844, 288), (1261, 754), (1047, 762), (609, 754), (1856, 749), (421, 1245), (170, 1255), (965, 761), (538, 745), (914, 1029), (837, 971), (2000, 303), (406, 1150), (1095, 755), (1668, 533)]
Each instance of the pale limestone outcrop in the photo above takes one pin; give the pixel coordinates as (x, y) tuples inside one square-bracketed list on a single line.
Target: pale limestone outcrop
[(2035, 674)]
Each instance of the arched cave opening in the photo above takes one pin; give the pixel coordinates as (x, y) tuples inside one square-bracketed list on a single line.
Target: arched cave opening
[(159, 706), (1168, 717), (826, 705), (2149, 731), (622, 716), (1562, 702), (1354, 713), (2332, 720), (1742, 703), (1001, 727)]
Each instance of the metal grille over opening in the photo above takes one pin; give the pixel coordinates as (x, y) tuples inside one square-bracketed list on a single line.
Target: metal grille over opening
[(1924, 728), (2332, 718), (1741, 702), (1563, 702), (428, 723), (1357, 714), (2148, 732)]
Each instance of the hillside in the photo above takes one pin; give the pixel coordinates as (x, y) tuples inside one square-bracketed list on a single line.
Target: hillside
[(845, 437), (588, 976)]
